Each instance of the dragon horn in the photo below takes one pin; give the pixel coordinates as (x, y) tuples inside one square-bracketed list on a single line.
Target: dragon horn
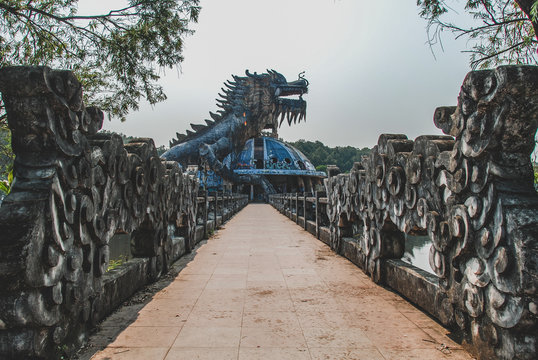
[(255, 75)]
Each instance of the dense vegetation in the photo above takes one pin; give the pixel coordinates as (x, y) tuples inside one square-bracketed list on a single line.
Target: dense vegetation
[(117, 53), (321, 155), (497, 31), (6, 160)]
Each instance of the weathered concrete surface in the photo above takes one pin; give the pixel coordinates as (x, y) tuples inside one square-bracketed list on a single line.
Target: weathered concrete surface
[(263, 288)]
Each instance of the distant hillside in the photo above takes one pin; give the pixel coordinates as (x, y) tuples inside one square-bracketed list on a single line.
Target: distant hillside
[(321, 155)]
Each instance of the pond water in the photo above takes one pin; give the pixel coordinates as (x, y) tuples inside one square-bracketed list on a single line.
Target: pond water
[(417, 252)]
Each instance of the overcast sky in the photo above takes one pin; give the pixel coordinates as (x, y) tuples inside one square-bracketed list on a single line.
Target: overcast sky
[(369, 67)]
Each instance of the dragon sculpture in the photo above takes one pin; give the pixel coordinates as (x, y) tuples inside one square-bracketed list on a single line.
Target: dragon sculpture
[(248, 105)]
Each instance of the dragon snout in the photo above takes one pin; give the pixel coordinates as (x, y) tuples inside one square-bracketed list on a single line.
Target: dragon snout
[(298, 87), (300, 83)]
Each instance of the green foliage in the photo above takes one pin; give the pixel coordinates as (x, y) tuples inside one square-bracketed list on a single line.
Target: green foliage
[(62, 352), (321, 155), (117, 55), (502, 31), (5, 185), (6, 159), (115, 263)]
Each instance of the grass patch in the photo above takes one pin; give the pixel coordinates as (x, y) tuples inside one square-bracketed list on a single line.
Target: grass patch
[(115, 263)]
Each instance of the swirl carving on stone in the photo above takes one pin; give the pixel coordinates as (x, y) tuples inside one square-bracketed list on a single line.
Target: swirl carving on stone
[(74, 189), (472, 192)]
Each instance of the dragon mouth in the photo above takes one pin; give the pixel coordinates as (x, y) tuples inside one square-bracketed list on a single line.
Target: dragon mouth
[(293, 110)]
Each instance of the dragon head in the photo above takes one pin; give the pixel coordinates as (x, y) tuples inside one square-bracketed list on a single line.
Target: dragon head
[(263, 99)]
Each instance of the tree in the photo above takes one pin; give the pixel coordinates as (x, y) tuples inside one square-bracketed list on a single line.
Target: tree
[(502, 31), (6, 160), (117, 55), (321, 155)]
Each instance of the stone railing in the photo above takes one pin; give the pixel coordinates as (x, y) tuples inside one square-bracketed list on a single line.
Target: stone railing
[(472, 193), (74, 189), (308, 210)]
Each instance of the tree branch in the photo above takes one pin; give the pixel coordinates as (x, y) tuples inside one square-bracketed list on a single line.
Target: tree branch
[(476, 62)]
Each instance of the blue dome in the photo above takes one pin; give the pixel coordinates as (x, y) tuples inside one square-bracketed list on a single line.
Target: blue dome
[(265, 155)]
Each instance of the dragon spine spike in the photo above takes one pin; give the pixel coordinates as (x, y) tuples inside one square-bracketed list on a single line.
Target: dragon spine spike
[(198, 127), (246, 106), (214, 116)]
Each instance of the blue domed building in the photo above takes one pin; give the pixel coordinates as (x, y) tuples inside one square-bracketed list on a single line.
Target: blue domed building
[(285, 167)]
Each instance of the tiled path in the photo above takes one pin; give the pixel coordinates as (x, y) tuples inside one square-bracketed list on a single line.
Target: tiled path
[(263, 288)]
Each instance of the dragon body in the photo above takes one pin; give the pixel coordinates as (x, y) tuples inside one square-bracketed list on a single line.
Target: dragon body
[(248, 105)]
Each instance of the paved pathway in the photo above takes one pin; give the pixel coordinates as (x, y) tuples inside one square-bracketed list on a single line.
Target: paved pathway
[(262, 288)]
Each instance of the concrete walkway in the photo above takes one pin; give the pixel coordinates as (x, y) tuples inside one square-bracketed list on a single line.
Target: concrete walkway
[(262, 288)]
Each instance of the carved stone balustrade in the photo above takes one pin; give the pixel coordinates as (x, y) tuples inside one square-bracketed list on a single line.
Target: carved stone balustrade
[(75, 188), (471, 191)]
